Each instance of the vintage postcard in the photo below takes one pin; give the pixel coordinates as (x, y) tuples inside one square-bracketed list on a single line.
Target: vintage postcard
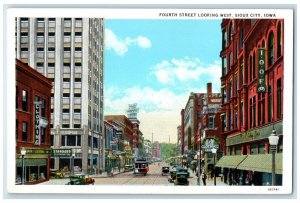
[(149, 101)]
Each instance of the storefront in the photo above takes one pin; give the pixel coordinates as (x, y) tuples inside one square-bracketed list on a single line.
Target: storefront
[(36, 169)]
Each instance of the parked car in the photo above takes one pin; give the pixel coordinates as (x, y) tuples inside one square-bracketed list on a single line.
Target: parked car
[(165, 170), (181, 178)]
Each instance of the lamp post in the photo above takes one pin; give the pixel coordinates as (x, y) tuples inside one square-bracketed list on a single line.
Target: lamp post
[(214, 151), (199, 167), (73, 156), (273, 140), (23, 153)]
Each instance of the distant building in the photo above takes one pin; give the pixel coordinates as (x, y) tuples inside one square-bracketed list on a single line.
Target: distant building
[(156, 151), (33, 100), (200, 121)]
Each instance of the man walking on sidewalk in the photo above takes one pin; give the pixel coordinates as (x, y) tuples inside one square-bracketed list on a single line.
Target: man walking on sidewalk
[(204, 177)]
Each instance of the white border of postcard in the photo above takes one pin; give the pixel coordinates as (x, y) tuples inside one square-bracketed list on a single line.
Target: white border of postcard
[(286, 14)]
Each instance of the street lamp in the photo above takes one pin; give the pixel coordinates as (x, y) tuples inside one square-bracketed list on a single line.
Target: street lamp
[(199, 167), (273, 140), (73, 156), (214, 151), (23, 153)]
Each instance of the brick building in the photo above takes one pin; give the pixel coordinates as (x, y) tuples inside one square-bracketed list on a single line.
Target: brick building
[(33, 100), (201, 116), (252, 97)]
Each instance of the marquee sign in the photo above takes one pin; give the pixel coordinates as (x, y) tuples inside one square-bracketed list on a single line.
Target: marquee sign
[(261, 86)]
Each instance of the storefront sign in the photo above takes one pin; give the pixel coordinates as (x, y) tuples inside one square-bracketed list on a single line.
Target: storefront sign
[(261, 86), (37, 123), (62, 152), (38, 151)]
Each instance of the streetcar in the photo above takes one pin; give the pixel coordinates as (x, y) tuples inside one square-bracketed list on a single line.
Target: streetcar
[(141, 166)]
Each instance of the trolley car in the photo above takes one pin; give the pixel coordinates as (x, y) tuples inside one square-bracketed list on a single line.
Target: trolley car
[(141, 167)]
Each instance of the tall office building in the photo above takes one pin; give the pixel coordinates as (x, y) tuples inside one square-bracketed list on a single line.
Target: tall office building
[(69, 51)]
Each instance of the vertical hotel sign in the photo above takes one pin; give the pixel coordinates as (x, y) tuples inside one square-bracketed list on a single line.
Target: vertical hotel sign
[(37, 123), (261, 86)]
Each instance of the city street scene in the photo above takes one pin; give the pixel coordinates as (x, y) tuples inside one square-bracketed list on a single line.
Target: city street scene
[(149, 102)]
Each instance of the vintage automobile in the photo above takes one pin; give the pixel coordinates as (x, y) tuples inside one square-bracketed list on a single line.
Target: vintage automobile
[(165, 170), (80, 180), (175, 170), (128, 167), (181, 178)]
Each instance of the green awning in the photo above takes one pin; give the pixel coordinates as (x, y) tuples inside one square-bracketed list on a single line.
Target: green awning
[(262, 163), (32, 162), (230, 161)]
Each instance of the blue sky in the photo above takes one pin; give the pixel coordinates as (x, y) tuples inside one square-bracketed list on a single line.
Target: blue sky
[(157, 63)]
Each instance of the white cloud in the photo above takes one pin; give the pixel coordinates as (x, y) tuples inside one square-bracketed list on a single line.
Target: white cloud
[(147, 98), (120, 46), (185, 69)]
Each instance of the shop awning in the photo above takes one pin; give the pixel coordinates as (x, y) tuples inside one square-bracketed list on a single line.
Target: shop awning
[(262, 163), (32, 162), (230, 161)]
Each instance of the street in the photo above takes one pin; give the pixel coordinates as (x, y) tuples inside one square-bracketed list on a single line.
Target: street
[(153, 177)]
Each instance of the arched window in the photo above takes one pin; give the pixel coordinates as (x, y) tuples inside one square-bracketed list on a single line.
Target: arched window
[(253, 66), (271, 49), (279, 41), (263, 44)]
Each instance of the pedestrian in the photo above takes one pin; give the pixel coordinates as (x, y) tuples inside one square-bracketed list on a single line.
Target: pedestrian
[(204, 177)]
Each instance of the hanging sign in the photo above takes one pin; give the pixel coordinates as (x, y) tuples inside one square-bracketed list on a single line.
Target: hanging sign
[(37, 123), (261, 86)]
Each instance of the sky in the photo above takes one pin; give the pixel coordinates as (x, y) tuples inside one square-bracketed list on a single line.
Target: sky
[(157, 64)]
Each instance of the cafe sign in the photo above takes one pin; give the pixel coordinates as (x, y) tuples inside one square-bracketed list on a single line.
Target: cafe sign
[(261, 86)]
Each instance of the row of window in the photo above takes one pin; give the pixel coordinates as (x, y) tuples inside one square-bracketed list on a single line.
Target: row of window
[(257, 109)]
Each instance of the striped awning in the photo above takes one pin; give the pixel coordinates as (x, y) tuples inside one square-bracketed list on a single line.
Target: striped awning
[(230, 161), (262, 163)]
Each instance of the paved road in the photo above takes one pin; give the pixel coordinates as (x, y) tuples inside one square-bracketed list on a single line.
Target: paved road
[(153, 177)]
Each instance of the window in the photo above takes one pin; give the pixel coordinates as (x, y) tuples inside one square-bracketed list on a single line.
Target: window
[(17, 97), (77, 79), (24, 100), (271, 49), (241, 39), (17, 129), (66, 110), (78, 33), (77, 94), (77, 125), (224, 66), (270, 104), (279, 41), (230, 89), (44, 107), (211, 122), (43, 135), (224, 97), (242, 76), (67, 33), (65, 125), (252, 112), (77, 110), (52, 140), (253, 66), (231, 31), (261, 108), (78, 48), (66, 79), (279, 98), (224, 39), (40, 34), (223, 117), (51, 48), (242, 114), (51, 34), (24, 131), (236, 83)]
